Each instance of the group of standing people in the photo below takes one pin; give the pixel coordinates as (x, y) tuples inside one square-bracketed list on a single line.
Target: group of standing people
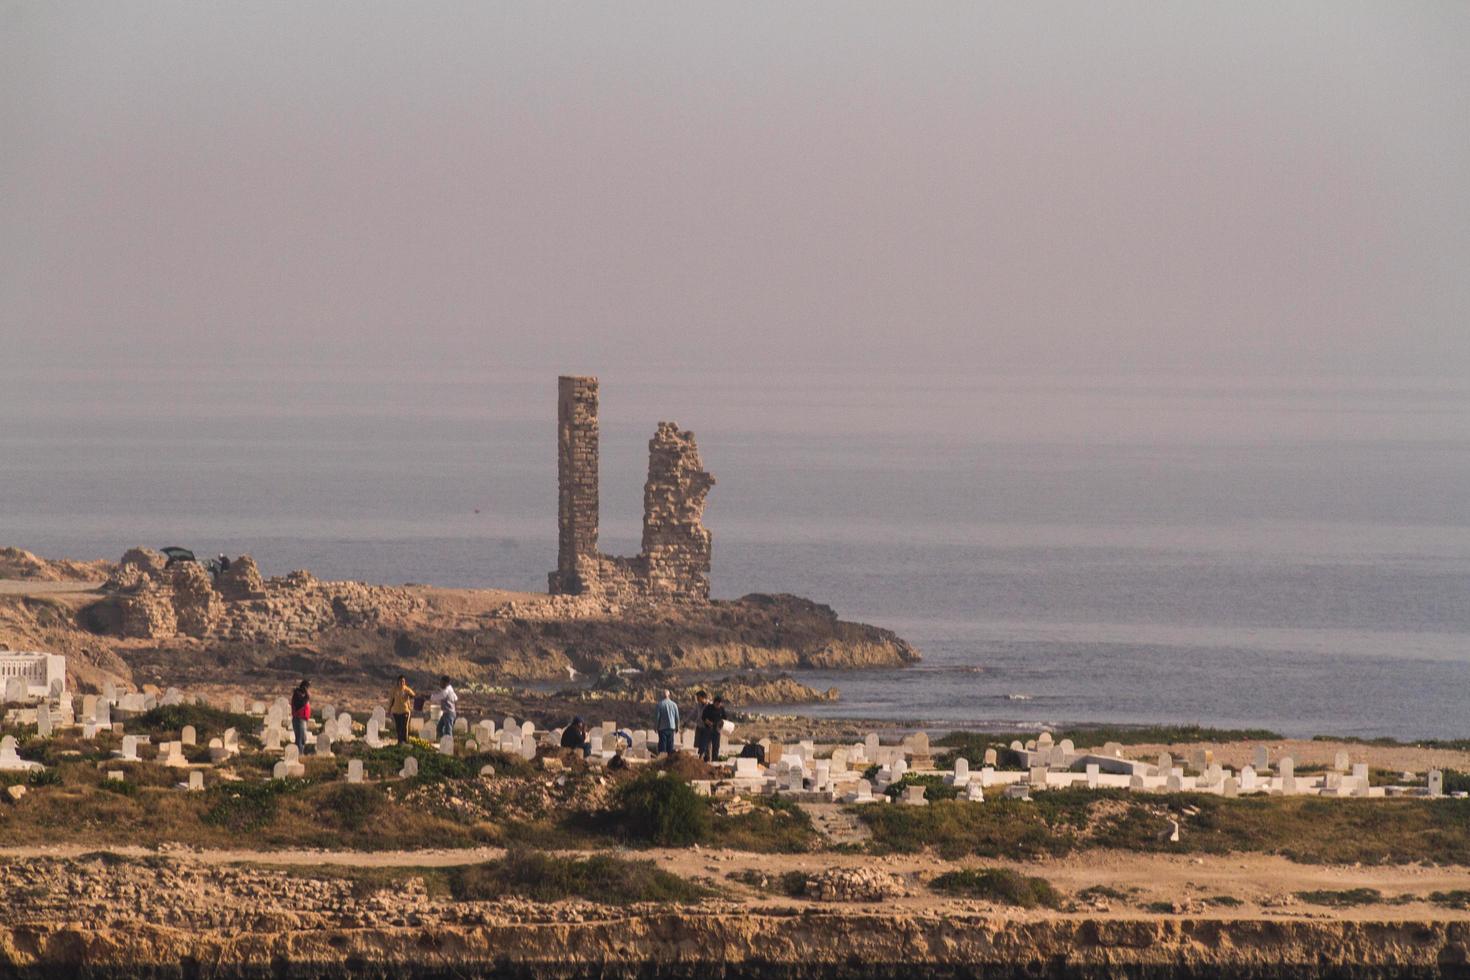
[(709, 724), (402, 701)]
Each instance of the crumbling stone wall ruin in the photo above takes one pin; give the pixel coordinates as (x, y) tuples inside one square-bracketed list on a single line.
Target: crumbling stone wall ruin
[(159, 602), (675, 560)]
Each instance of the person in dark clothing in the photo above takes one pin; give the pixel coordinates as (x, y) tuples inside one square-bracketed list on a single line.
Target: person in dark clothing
[(300, 713), (574, 736), (714, 727), (701, 701)]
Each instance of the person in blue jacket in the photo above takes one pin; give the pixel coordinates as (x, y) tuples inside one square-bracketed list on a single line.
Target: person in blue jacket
[(666, 723)]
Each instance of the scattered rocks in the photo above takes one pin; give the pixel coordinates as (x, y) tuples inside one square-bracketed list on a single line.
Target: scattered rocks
[(855, 885)]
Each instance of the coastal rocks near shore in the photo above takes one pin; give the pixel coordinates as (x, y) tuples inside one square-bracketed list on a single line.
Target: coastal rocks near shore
[(743, 689), (756, 632)]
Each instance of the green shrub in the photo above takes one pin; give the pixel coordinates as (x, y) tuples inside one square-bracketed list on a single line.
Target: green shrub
[(1456, 781), (935, 788), (349, 806), (775, 826), (1341, 899), (1000, 885), (663, 810), (208, 722), (547, 878), (1459, 898), (122, 787), (246, 806), (387, 762)]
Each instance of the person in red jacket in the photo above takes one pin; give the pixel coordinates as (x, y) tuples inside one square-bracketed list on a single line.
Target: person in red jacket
[(301, 713)]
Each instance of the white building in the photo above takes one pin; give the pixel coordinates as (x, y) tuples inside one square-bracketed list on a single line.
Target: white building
[(40, 673)]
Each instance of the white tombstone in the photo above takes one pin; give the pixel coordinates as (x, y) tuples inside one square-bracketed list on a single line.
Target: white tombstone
[(292, 754), (746, 769), (1166, 763), (172, 755), (990, 758), (10, 760), (508, 723), (344, 727), (1230, 787), (89, 707), (410, 767), (217, 751), (1174, 783), (961, 775), (1067, 747), (196, 781), (870, 747), (1093, 771), (1113, 749), (15, 690), (1248, 778), (1287, 768), (281, 770), (1436, 783), (324, 744), (974, 793), (43, 721), (130, 748), (89, 730), (1044, 742), (374, 737), (461, 726), (354, 771), (104, 714), (1262, 759), (380, 715), (1340, 762), (189, 736), (863, 793), (914, 796), (446, 745)]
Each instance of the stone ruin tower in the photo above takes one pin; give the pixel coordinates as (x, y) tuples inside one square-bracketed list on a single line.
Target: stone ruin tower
[(675, 560)]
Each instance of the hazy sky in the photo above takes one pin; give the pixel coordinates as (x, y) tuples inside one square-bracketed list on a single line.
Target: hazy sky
[(967, 186)]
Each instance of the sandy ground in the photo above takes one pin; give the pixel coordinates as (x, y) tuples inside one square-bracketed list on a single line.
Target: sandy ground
[(28, 587), (1264, 885)]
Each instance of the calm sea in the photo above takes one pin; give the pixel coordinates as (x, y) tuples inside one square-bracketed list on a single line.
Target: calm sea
[(1286, 553)]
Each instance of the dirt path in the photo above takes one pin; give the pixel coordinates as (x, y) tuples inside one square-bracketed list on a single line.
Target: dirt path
[(29, 587)]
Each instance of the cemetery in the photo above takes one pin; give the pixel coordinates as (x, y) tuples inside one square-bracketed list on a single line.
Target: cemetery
[(878, 832), (905, 772)]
